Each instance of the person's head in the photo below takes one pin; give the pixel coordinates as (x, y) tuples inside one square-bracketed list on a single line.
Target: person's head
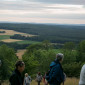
[(26, 74), (59, 57), (20, 66), (39, 73)]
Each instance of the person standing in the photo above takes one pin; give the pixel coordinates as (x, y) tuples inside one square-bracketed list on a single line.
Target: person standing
[(56, 74), (39, 78), (82, 76), (27, 79), (16, 78)]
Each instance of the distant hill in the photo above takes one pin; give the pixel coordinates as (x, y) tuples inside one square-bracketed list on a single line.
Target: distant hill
[(51, 32)]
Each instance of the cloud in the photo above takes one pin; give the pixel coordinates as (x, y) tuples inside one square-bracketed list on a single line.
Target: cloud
[(44, 10), (82, 2), (36, 6)]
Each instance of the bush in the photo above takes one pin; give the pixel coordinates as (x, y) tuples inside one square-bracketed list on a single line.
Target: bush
[(72, 69)]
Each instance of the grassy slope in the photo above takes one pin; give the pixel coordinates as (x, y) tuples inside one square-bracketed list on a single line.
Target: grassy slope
[(69, 81)]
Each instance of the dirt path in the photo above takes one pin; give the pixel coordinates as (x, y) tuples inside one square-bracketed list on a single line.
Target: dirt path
[(20, 53)]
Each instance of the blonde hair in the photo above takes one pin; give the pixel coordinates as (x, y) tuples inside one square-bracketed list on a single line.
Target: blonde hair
[(26, 74)]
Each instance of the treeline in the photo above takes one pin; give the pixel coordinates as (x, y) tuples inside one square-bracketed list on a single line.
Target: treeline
[(15, 46), (34, 38), (2, 32), (42, 38), (53, 33)]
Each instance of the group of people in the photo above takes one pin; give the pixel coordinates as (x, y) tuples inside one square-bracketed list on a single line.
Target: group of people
[(55, 76)]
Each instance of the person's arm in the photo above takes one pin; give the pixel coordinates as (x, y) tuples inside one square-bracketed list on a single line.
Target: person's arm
[(62, 76), (30, 79)]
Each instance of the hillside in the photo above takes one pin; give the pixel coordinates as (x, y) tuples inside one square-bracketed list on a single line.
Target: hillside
[(53, 33)]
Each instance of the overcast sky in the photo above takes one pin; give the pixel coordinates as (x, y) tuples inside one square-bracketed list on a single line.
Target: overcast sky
[(43, 11)]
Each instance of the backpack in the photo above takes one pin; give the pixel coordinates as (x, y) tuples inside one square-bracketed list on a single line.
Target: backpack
[(50, 73), (47, 77)]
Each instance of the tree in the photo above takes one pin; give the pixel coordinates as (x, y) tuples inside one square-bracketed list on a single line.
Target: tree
[(81, 52), (69, 45), (8, 58), (47, 45), (38, 59), (69, 56), (69, 52)]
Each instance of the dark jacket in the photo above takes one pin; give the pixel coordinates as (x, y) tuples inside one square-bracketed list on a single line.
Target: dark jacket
[(16, 78), (56, 74)]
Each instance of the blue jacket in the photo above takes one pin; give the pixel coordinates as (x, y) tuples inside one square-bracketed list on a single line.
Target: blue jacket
[(56, 73)]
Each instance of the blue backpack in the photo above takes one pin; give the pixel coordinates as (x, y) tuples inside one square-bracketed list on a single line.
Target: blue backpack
[(47, 77)]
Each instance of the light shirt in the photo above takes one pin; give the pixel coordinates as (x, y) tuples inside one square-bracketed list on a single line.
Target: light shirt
[(39, 77), (27, 79), (82, 75)]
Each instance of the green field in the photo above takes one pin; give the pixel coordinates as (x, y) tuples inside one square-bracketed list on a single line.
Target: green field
[(27, 42), (4, 37)]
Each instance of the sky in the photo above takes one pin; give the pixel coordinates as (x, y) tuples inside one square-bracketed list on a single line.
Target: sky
[(43, 11)]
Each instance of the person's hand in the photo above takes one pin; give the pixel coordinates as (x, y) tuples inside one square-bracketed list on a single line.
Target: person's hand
[(46, 81), (64, 76)]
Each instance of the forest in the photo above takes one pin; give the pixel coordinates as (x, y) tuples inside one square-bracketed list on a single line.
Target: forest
[(53, 33)]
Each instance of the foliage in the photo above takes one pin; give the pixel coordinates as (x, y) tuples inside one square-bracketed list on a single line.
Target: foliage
[(53, 33), (15, 46), (72, 69), (8, 58), (69, 56), (42, 57), (81, 52), (38, 58), (69, 45)]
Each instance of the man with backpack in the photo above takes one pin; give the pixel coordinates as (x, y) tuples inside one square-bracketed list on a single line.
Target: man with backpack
[(56, 75)]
